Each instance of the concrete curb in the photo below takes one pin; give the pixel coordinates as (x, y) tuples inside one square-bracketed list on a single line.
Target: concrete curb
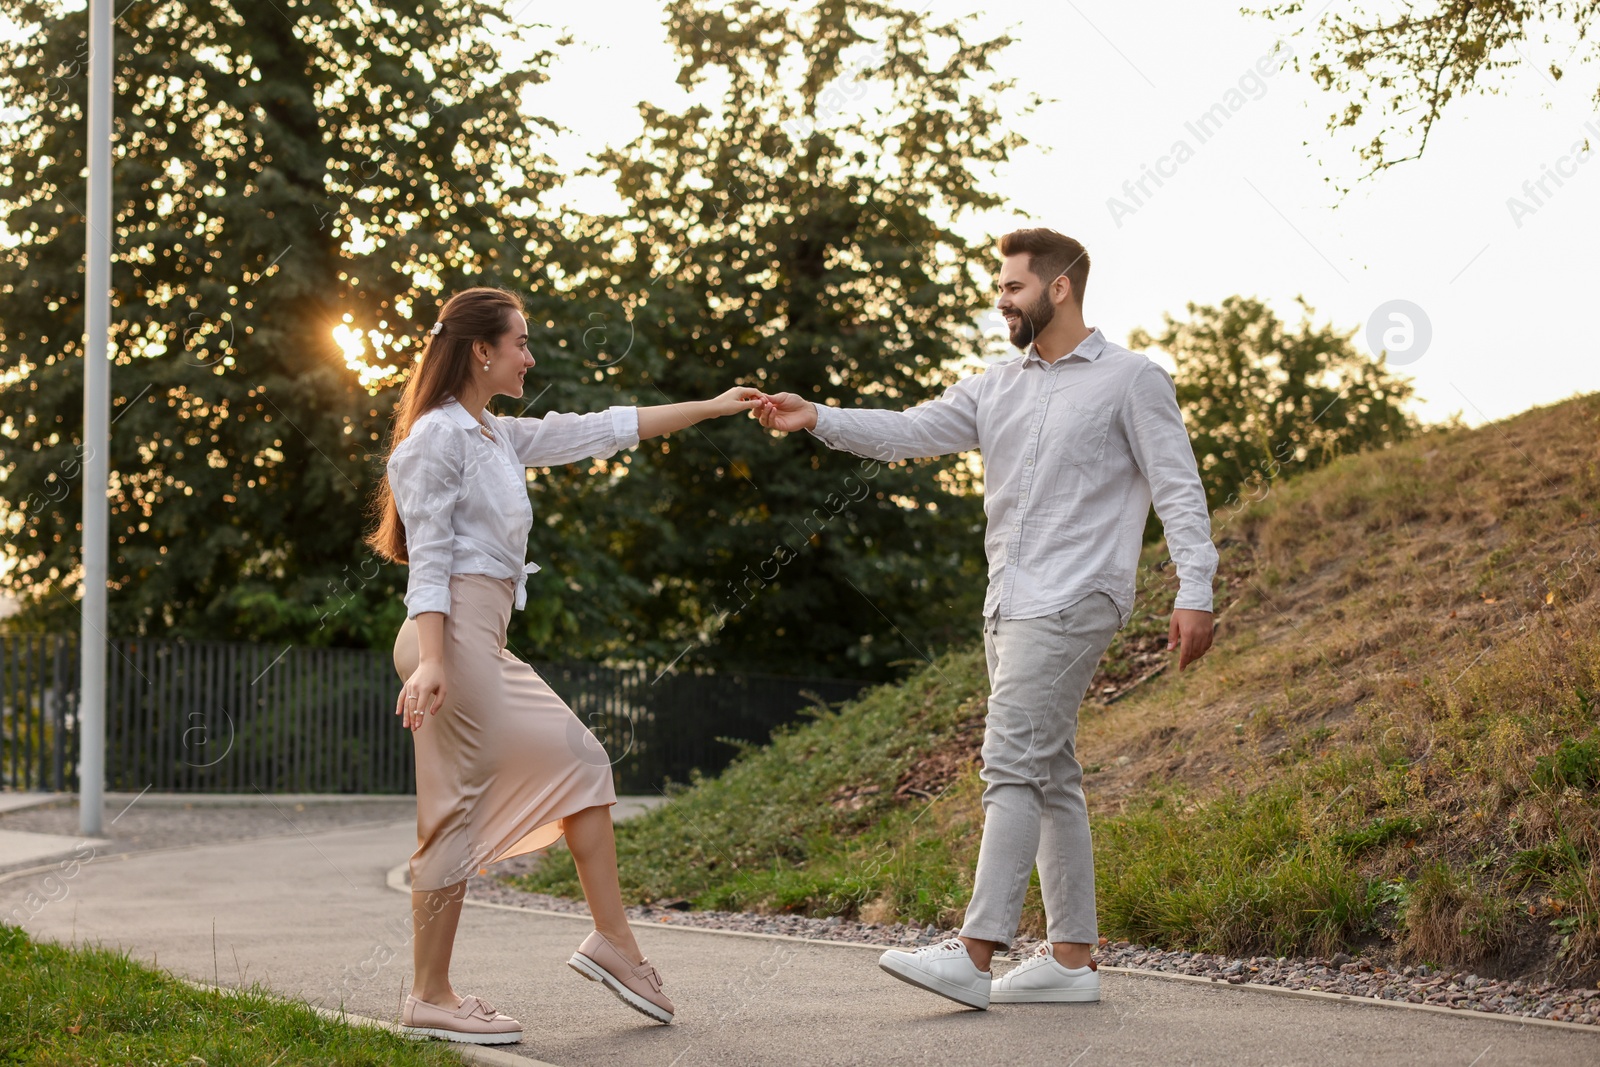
[(484, 1054), (44, 868), (397, 880), (22, 801), (210, 799)]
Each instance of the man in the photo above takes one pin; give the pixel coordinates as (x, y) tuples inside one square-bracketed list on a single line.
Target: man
[(1079, 436)]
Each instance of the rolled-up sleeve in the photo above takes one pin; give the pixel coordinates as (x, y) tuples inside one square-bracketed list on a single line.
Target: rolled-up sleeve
[(937, 427), (426, 476), (1161, 449), (564, 437)]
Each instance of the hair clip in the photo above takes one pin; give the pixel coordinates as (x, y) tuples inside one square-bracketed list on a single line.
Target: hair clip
[(437, 327)]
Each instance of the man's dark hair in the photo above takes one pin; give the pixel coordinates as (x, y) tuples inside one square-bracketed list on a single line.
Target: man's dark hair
[(1050, 255)]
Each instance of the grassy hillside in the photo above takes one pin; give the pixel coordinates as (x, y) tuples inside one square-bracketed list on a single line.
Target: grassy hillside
[(83, 1006), (1393, 744)]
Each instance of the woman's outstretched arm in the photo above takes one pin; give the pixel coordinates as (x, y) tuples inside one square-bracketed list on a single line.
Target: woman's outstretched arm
[(665, 418), (564, 437)]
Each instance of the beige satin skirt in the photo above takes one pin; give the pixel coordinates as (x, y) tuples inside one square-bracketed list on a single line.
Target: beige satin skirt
[(505, 759)]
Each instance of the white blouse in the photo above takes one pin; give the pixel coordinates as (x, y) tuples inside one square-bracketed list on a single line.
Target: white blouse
[(463, 498)]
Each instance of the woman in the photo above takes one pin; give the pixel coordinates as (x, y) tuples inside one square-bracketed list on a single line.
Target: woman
[(503, 765)]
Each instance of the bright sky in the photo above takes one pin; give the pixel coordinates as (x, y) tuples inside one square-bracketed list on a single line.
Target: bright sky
[(1248, 211)]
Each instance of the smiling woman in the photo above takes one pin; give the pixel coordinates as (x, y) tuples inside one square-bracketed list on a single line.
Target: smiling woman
[(504, 767)]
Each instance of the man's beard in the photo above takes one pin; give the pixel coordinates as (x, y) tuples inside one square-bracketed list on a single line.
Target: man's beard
[(1030, 320)]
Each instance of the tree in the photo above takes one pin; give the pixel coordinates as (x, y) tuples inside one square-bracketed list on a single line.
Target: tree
[(293, 183), (1260, 401), (797, 236), (1404, 68)]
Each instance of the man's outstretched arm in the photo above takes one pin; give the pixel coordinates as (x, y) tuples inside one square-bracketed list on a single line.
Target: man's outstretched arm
[(935, 428)]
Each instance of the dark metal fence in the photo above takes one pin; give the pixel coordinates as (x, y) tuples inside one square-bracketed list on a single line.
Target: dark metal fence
[(213, 716)]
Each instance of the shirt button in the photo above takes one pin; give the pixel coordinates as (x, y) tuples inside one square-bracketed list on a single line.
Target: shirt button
[(1028, 463)]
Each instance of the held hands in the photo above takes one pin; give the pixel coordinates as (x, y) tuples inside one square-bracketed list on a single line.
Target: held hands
[(785, 412), (739, 398)]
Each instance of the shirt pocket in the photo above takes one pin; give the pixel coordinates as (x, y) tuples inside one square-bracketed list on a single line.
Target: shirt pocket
[(1084, 430)]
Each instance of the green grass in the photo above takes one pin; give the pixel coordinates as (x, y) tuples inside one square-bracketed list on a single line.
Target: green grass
[(766, 833), (63, 1006), (1236, 874), (1574, 764)]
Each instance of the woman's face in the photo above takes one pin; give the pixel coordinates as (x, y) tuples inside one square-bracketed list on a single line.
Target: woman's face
[(508, 359)]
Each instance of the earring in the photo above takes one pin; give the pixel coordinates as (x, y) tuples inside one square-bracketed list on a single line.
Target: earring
[(485, 364)]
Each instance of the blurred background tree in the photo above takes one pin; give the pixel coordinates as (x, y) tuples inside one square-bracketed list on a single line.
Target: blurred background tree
[(1397, 70), (796, 235), (1262, 401), (291, 192)]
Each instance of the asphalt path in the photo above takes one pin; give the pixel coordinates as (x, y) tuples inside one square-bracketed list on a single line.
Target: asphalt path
[(315, 914)]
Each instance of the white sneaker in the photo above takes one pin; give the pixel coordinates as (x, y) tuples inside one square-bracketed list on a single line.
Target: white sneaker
[(1039, 979), (944, 968)]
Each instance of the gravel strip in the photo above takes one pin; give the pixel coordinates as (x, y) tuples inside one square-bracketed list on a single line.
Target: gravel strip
[(1342, 974), (1361, 978)]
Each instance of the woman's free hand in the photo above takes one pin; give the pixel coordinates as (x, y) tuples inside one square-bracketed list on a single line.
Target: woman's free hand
[(423, 692)]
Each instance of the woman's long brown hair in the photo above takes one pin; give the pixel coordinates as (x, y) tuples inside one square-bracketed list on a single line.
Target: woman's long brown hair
[(442, 370)]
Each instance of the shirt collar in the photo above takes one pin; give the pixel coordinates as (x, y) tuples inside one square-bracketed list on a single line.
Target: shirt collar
[(1089, 348), (460, 415)]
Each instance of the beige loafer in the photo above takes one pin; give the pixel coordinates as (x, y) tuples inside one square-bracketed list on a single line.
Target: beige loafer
[(598, 960), (475, 1022)]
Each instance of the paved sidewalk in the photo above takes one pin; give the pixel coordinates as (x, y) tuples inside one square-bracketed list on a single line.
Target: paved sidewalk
[(311, 915)]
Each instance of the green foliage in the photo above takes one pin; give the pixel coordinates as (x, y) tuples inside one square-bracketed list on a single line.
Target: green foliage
[(315, 166), (329, 167), (1574, 764), (790, 238), (1394, 73), (1262, 402)]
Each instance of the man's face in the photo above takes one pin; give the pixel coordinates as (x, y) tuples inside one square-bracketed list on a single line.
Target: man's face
[(1024, 300)]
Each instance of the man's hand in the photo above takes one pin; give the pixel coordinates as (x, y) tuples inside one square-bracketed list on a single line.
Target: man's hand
[(1192, 630), (786, 413)]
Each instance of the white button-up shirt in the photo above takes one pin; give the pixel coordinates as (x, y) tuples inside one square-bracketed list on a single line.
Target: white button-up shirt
[(1074, 453), (464, 498)]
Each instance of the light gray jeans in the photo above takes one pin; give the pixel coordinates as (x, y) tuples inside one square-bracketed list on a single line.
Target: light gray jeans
[(1033, 807)]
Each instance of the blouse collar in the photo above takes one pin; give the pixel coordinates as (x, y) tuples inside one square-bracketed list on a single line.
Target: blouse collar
[(460, 415)]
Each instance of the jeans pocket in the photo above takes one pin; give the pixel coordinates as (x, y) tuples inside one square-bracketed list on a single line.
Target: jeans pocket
[(1090, 610)]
